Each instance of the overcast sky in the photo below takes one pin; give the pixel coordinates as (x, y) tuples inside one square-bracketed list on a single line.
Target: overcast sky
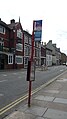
[(52, 12)]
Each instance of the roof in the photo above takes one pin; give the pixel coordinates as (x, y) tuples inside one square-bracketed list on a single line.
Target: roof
[(4, 24), (26, 32), (48, 48), (11, 26)]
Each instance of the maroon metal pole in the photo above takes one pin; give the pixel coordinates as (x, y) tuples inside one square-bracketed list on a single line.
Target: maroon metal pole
[(29, 98), (32, 53)]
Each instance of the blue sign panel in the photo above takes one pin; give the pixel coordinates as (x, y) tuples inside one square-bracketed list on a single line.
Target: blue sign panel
[(37, 30), (37, 34), (38, 25)]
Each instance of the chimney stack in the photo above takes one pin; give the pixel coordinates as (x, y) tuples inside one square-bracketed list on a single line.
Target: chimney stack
[(12, 21)]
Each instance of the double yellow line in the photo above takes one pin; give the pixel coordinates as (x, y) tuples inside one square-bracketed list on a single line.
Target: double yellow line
[(11, 105)]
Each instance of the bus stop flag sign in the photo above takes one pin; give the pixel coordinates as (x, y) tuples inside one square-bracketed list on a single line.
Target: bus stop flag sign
[(37, 30)]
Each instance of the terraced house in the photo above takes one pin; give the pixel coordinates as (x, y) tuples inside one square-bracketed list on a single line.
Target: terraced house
[(6, 57), (11, 45), (15, 46), (16, 43)]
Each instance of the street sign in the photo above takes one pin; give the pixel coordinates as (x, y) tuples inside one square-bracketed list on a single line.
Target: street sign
[(31, 71), (28, 70), (37, 30), (32, 76), (38, 25), (37, 34)]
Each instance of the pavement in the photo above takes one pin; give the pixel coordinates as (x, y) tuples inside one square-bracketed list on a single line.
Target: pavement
[(49, 102)]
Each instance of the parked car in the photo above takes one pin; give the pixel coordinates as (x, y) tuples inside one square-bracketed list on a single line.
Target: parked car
[(66, 63)]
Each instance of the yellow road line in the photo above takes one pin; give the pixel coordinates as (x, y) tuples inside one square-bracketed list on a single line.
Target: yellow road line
[(12, 103), (9, 106)]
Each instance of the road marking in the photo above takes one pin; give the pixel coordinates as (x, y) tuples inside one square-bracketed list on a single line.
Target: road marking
[(14, 73), (11, 105), (61, 70), (4, 75), (3, 81), (1, 95)]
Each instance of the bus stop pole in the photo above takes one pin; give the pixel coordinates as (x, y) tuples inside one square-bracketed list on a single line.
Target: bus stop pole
[(29, 97), (31, 59)]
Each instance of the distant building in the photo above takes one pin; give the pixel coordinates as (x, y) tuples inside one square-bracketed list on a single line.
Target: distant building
[(43, 54), (37, 52), (27, 45), (16, 45), (46, 54), (63, 58), (49, 53)]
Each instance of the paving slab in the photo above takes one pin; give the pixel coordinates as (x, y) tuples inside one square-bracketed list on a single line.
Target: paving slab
[(60, 100), (36, 110), (62, 80), (40, 118), (20, 115), (54, 86), (23, 108), (64, 92), (55, 114), (52, 91), (45, 98), (39, 103)]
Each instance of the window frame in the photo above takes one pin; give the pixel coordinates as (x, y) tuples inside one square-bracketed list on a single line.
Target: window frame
[(20, 45), (10, 59), (2, 29), (17, 56)]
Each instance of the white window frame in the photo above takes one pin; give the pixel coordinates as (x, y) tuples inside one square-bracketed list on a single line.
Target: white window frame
[(2, 43), (19, 33), (26, 50), (10, 59), (30, 41), (19, 57), (25, 38), (2, 29), (20, 45)]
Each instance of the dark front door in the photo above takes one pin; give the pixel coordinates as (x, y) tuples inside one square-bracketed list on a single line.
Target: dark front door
[(2, 63)]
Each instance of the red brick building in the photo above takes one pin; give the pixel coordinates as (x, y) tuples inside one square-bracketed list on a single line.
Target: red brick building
[(15, 46), (16, 43), (11, 45), (4, 45)]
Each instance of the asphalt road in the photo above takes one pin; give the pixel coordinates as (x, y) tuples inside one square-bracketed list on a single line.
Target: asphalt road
[(13, 84)]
